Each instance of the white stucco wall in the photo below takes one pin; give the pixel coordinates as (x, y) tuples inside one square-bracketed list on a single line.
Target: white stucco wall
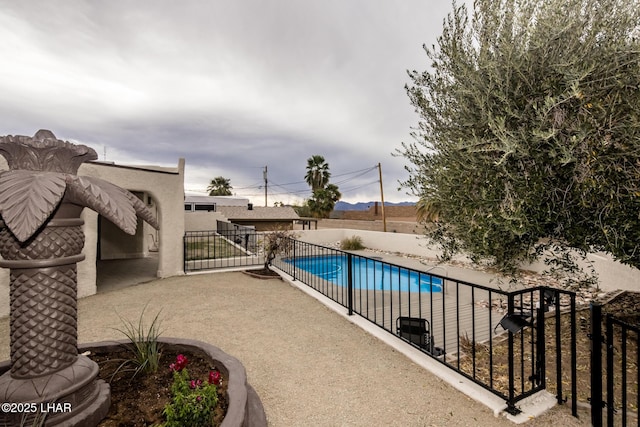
[(611, 274), (202, 221), (166, 188), (87, 268), (390, 242), (217, 200), (116, 244)]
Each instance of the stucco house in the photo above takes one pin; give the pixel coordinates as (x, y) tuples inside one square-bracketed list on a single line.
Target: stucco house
[(162, 189)]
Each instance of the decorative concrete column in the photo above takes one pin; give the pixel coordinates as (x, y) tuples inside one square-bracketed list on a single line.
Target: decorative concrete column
[(41, 240)]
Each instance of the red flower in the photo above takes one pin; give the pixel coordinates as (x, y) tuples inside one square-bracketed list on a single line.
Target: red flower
[(180, 363), (195, 384), (215, 377)]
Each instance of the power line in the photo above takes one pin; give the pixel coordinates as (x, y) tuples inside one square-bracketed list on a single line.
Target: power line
[(256, 185), (354, 177), (360, 172), (298, 192), (307, 191), (357, 187)]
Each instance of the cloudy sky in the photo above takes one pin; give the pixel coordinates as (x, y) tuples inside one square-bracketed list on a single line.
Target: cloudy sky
[(231, 86)]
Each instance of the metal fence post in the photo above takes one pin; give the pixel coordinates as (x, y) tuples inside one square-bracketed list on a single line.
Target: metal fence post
[(541, 356), (216, 243), (574, 356), (610, 404), (511, 402), (294, 259), (350, 283), (184, 253), (596, 364)]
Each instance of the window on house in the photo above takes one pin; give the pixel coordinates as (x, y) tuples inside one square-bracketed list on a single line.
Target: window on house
[(205, 207)]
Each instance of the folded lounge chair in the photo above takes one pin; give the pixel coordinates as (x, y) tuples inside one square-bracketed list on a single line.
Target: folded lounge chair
[(418, 332)]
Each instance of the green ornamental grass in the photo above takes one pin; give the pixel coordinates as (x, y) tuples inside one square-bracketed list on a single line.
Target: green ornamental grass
[(143, 345), (353, 243)]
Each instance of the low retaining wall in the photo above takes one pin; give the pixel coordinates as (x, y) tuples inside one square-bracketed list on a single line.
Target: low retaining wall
[(612, 275), (413, 244), (407, 227)]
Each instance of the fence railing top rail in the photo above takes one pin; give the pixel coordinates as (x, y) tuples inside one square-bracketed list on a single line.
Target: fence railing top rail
[(616, 321)]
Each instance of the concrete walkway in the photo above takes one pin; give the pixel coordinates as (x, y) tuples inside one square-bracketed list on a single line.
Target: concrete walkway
[(309, 365), (121, 273)]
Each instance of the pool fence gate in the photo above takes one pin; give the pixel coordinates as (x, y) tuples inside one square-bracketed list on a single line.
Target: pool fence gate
[(236, 247)]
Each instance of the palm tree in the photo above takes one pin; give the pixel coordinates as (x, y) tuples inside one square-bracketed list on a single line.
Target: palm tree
[(317, 172), (41, 239), (324, 200), (220, 186)]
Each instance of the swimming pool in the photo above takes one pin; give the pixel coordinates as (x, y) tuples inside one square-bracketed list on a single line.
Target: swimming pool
[(367, 273)]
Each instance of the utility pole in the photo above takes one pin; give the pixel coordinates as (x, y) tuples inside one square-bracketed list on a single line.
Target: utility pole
[(264, 174), (384, 218)]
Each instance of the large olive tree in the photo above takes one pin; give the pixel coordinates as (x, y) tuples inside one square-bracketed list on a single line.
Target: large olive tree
[(529, 130)]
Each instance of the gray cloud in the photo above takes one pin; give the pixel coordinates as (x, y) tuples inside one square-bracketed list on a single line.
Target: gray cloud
[(229, 86)]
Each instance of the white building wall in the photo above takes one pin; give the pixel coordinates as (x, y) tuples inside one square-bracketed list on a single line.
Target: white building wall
[(218, 200), (390, 242), (202, 221), (87, 268), (165, 186), (611, 274)]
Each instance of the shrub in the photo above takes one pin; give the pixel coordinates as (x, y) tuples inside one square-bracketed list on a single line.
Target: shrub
[(277, 242), (352, 243), (192, 401)]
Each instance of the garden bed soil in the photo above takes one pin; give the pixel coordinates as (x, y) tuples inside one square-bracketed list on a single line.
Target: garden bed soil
[(139, 401)]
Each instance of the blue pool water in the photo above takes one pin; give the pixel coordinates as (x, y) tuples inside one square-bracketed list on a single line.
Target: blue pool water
[(367, 274)]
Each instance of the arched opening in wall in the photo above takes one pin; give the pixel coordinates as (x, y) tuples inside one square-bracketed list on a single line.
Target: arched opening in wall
[(123, 260)]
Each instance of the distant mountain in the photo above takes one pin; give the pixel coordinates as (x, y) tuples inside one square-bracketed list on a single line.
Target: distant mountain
[(363, 206)]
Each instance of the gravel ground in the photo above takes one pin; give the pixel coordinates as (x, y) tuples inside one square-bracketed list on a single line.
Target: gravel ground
[(310, 366)]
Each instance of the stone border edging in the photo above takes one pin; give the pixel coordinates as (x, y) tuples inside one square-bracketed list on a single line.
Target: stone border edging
[(245, 408)]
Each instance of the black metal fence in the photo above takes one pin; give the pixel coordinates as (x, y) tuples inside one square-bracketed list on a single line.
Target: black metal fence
[(620, 399), (222, 249), (498, 339)]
